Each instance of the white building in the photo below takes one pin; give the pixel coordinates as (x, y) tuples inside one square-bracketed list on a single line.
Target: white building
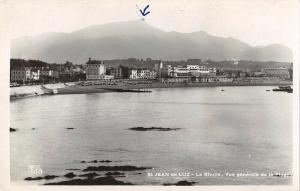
[(181, 72), (35, 74), (28, 73), (193, 70), (193, 67), (146, 74), (142, 74), (133, 74)]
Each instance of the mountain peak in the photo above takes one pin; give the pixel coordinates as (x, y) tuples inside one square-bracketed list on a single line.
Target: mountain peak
[(138, 39), (134, 27)]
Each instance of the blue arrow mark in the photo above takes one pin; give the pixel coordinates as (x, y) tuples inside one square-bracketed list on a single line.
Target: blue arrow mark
[(144, 12)]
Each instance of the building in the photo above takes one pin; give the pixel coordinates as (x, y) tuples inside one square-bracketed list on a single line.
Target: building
[(146, 74), (95, 70), (232, 73), (18, 75), (133, 74), (280, 72), (215, 79), (116, 72), (259, 74), (142, 74), (35, 74), (55, 74), (166, 71), (197, 70), (119, 73), (192, 71), (26, 74), (202, 79), (47, 72), (179, 72)]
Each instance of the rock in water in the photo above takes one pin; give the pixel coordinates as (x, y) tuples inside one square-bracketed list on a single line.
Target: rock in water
[(114, 174), (108, 180), (115, 168), (47, 177), (181, 183), (36, 178), (89, 175), (70, 175), (107, 161), (153, 129), (12, 129)]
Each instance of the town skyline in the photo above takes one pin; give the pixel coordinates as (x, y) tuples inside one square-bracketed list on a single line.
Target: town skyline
[(35, 71)]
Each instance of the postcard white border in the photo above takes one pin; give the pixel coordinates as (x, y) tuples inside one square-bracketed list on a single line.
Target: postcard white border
[(5, 123)]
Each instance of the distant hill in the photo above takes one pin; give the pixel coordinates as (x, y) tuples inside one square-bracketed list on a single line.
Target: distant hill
[(137, 39), (242, 65)]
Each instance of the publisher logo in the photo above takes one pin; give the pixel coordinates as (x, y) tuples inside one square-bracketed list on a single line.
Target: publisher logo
[(35, 170)]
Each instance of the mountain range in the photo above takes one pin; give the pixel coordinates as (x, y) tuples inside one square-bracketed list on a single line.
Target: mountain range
[(137, 39)]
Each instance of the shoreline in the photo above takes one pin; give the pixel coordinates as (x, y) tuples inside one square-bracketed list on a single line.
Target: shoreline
[(77, 89)]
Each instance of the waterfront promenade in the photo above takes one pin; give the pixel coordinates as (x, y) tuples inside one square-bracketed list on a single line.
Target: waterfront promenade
[(78, 88)]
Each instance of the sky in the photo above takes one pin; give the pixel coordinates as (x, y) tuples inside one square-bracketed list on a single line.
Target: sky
[(256, 22)]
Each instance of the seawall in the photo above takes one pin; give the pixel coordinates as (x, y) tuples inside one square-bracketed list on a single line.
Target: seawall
[(34, 90)]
